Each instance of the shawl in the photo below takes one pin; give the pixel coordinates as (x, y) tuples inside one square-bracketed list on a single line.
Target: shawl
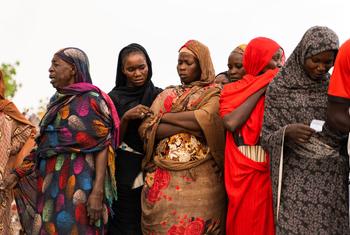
[(89, 102), (248, 182), (292, 97), (201, 97), (339, 89), (11, 110), (125, 98)]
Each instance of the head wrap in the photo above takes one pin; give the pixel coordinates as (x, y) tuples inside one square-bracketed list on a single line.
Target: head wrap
[(202, 54), (77, 58), (83, 84), (258, 54), (240, 49)]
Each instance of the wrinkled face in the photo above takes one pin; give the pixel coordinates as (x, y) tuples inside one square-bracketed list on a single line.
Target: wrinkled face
[(135, 69), (275, 62), (235, 67), (62, 74), (318, 65), (188, 68)]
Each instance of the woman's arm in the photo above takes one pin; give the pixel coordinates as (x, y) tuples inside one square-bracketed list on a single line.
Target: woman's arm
[(240, 115), (138, 112), (94, 205), (338, 116), (185, 120), (166, 130)]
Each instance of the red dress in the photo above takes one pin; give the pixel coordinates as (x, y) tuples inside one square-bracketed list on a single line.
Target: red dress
[(248, 182)]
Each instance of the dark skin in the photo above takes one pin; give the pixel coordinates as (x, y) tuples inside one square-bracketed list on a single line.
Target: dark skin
[(173, 123), (63, 74), (338, 116), (316, 67), (240, 115), (136, 71)]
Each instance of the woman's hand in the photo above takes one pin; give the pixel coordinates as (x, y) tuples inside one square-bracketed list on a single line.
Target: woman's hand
[(299, 133), (94, 207), (138, 112)]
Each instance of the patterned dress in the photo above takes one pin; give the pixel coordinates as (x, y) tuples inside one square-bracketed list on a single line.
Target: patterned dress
[(66, 168), (13, 135), (314, 180)]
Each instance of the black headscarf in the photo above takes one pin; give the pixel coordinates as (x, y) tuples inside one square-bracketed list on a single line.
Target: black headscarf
[(125, 98)]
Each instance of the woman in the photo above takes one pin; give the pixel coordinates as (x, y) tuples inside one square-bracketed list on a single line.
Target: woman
[(184, 141), (75, 154), (16, 138), (132, 96), (247, 176), (235, 70), (339, 91), (308, 173), (235, 66)]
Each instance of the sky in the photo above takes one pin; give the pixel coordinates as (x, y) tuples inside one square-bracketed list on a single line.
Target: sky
[(33, 30)]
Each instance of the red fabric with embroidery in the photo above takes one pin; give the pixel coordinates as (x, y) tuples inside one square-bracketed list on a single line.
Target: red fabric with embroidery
[(247, 182)]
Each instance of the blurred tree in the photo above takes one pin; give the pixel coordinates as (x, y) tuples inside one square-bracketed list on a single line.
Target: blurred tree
[(9, 72)]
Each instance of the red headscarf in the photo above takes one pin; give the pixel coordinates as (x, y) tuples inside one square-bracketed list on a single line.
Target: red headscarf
[(247, 182), (256, 57)]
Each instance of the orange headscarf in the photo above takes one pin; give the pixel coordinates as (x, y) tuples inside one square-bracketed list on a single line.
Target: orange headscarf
[(8, 107)]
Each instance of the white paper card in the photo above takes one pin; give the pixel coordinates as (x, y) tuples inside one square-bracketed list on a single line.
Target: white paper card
[(317, 125)]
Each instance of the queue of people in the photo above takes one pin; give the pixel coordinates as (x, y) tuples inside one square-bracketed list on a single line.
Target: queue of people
[(257, 149)]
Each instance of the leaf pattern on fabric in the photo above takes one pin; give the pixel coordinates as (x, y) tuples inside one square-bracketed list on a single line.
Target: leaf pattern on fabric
[(76, 123), (100, 128), (64, 112), (83, 107)]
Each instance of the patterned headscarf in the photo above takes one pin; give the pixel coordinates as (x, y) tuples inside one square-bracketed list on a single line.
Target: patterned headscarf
[(316, 40), (79, 60), (82, 84), (292, 97), (240, 49), (202, 53)]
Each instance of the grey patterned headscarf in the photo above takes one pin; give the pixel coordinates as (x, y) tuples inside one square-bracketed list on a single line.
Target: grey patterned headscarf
[(292, 97), (317, 39), (79, 59)]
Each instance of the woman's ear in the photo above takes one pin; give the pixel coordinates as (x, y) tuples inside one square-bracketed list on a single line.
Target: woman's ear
[(74, 70)]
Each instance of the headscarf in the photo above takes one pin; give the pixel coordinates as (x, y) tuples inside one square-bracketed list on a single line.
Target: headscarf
[(284, 98), (82, 84), (292, 97), (125, 97), (79, 60), (201, 97), (9, 108), (339, 89), (257, 55), (240, 49), (201, 52)]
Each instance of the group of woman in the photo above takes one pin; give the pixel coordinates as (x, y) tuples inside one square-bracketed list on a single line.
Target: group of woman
[(196, 158)]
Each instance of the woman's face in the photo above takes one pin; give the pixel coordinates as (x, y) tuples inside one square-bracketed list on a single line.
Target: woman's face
[(135, 69), (275, 62), (188, 68), (235, 67), (61, 74), (318, 65)]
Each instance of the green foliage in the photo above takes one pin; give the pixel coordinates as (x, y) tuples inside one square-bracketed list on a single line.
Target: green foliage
[(9, 72)]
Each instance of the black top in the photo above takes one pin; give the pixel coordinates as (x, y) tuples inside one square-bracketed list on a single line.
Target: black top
[(125, 98)]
